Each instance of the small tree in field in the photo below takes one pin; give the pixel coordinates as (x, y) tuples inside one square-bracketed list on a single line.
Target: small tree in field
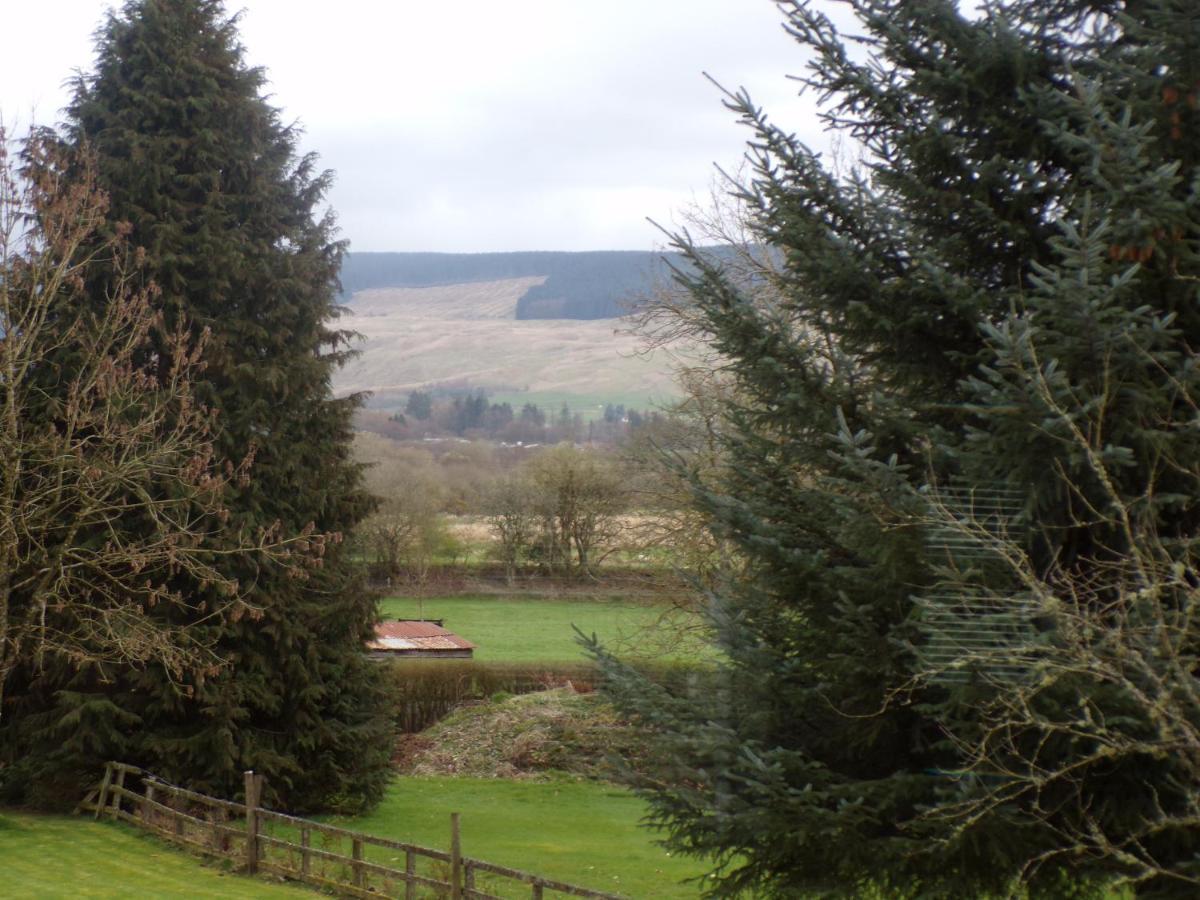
[(407, 530), (580, 496), (512, 509), (400, 533), (93, 439)]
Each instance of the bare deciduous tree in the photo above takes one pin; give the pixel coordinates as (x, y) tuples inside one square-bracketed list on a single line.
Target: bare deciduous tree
[(512, 508), (109, 488), (407, 530), (581, 497)]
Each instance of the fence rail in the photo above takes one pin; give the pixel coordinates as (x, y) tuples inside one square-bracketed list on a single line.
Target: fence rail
[(260, 839)]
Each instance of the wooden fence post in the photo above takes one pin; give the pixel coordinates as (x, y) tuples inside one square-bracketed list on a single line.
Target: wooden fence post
[(102, 800), (177, 813), (537, 890), (253, 796), (410, 870), (146, 803), (455, 859), (117, 793), (216, 820), (305, 842), (356, 853)]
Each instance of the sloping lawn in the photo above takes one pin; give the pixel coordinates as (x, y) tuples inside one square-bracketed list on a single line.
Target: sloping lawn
[(507, 629), (45, 857), (583, 833)]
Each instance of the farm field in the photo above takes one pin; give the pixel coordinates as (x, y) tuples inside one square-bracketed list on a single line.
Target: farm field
[(588, 405), (584, 833), (60, 856), (522, 629)]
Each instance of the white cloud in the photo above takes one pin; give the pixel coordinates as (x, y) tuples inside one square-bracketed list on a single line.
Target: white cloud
[(529, 124)]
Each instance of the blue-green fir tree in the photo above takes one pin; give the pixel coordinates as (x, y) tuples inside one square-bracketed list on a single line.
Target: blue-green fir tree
[(999, 293)]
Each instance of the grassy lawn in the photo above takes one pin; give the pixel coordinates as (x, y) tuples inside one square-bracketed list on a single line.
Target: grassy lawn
[(60, 856), (506, 629), (583, 833)]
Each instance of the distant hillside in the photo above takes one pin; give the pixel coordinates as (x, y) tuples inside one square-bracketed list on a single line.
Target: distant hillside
[(589, 285), (467, 336)]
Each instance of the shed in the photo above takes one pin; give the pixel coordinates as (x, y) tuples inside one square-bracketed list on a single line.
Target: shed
[(417, 639)]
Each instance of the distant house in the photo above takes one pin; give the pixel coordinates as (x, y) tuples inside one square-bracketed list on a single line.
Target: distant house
[(409, 639)]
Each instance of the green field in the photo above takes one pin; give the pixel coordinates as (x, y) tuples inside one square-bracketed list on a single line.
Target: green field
[(580, 832), (589, 406), (583, 833), (57, 856), (525, 629)]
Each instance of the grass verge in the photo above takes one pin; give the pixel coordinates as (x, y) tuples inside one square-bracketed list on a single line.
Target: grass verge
[(60, 856)]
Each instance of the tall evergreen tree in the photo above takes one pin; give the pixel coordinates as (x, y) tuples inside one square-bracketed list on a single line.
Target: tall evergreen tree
[(210, 182), (1001, 295)]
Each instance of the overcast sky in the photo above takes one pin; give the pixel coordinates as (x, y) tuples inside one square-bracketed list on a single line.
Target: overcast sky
[(482, 125)]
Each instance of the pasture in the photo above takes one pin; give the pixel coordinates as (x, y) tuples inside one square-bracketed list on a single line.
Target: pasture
[(580, 832), (530, 629), (584, 833)]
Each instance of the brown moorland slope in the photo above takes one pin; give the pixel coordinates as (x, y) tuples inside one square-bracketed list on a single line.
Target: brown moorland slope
[(468, 336)]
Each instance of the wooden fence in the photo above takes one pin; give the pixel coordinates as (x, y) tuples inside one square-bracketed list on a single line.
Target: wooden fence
[(261, 840)]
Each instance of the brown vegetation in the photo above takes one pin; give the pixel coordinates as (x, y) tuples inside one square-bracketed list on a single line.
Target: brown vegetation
[(100, 428), (468, 336), (529, 736)]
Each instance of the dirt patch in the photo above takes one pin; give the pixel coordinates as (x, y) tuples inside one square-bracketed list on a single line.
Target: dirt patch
[(409, 750)]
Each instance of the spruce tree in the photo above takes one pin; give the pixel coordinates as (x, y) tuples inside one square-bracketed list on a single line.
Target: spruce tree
[(999, 295), (209, 180)]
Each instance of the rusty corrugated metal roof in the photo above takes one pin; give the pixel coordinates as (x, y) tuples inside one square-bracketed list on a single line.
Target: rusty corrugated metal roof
[(409, 635)]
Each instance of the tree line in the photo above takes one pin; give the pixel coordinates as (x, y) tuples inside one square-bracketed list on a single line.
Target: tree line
[(554, 510), (582, 285), (473, 415)]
